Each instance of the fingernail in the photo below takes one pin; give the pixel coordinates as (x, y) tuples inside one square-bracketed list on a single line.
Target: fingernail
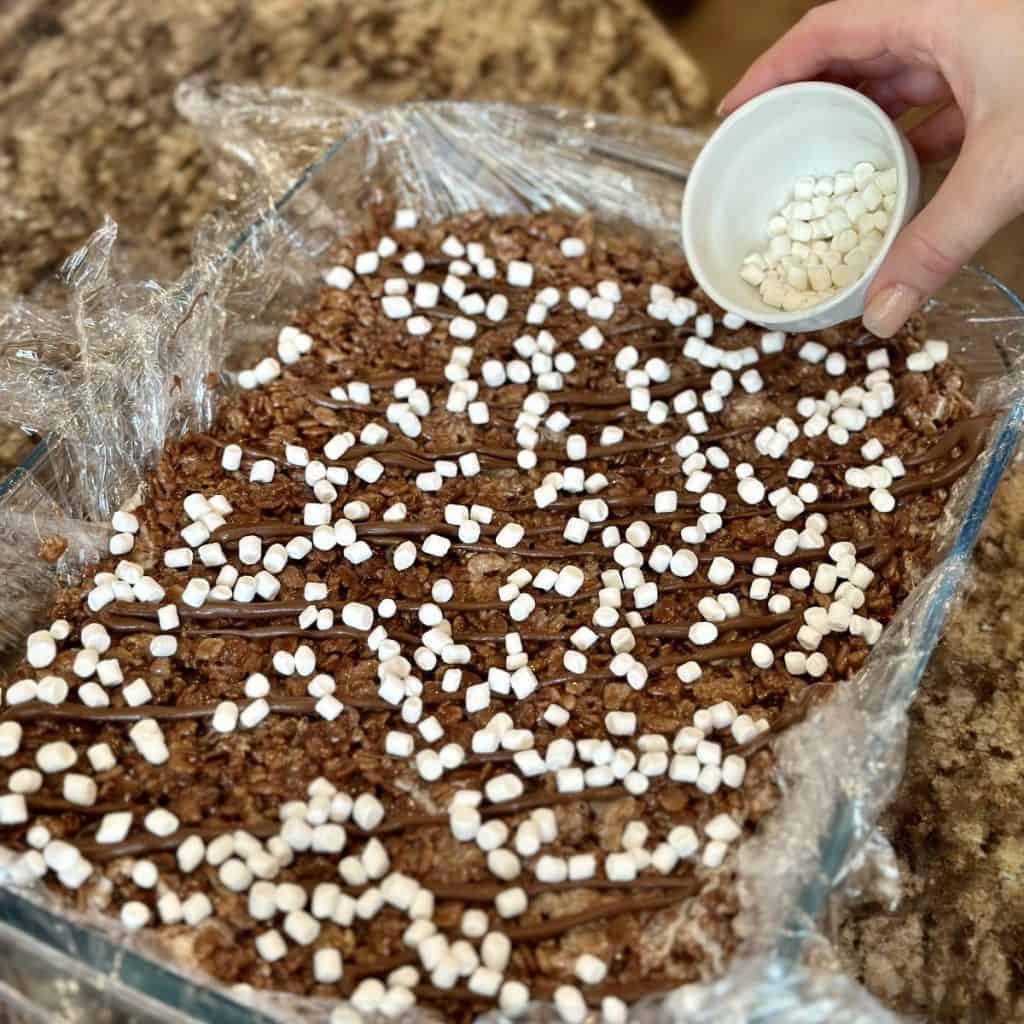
[(889, 310), (720, 109)]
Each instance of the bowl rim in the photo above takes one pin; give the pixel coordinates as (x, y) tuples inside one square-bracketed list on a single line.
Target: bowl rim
[(781, 318)]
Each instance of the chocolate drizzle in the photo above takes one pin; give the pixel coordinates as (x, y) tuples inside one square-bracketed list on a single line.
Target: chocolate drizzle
[(483, 892), (403, 455), (967, 434), (43, 804), (551, 929), (129, 617), (146, 844), (277, 530)]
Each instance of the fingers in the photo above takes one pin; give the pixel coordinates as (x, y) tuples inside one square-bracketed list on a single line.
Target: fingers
[(836, 34), (939, 136), (911, 87), (853, 73), (968, 209)]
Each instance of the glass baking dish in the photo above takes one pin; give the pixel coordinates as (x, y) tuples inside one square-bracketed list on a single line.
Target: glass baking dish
[(442, 159)]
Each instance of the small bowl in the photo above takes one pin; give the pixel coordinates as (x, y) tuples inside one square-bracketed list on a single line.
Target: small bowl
[(746, 171)]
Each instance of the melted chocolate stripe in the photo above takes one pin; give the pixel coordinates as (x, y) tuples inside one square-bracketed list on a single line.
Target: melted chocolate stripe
[(659, 630), (272, 632), (263, 830), (121, 615), (485, 892), (788, 625), (54, 805), (669, 586), (379, 532), (35, 711), (140, 624), (970, 431), (560, 925), (701, 655), (544, 989), (535, 933), (417, 459), (666, 631)]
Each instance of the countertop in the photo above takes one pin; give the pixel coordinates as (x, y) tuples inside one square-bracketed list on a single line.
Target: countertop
[(87, 127)]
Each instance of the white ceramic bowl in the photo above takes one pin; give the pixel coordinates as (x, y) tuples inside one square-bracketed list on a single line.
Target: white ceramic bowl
[(745, 173)]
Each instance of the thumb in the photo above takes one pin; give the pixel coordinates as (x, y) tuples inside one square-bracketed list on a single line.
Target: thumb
[(975, 201)]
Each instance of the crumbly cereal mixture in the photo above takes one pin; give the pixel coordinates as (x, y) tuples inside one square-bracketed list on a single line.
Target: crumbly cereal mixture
[(443, 669)]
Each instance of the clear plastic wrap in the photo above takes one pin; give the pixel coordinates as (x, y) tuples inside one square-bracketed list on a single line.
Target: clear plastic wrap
[(130, 363)]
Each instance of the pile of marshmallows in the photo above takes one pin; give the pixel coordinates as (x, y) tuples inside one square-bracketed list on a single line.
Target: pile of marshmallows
[(822, 240)]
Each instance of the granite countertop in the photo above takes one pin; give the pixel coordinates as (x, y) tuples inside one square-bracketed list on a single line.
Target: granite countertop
[(954, 949), (87, 127)]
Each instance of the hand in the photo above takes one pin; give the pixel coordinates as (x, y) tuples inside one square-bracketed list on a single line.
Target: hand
[(962, 54)]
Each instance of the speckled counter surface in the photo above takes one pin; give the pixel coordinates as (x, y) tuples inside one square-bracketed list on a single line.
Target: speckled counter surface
[(954, 949), (87, 127)]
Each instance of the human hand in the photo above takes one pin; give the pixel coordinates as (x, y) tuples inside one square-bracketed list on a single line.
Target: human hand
[(962, 54)]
